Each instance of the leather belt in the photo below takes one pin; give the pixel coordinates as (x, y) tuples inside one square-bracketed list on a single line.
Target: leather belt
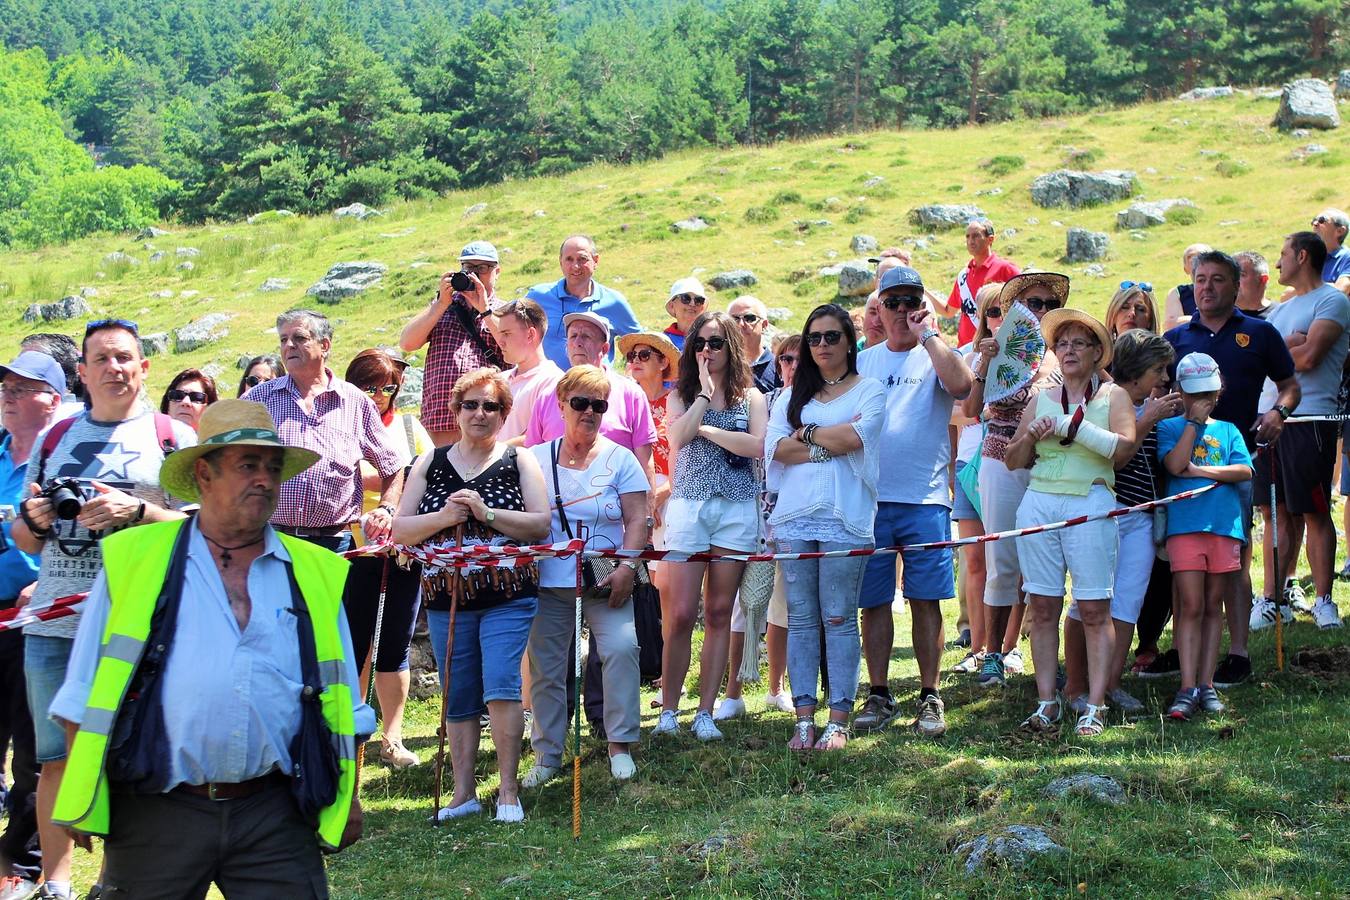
[(216, 790), (302, 532)]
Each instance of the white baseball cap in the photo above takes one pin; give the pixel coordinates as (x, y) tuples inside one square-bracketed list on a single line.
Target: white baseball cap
[(689, 285), (1198, 373), (595, 319)]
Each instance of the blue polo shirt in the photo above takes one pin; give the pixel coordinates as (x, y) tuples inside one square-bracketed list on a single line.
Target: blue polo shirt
[(603, 301), (1337, 264), (1248, 350), (17, 569)]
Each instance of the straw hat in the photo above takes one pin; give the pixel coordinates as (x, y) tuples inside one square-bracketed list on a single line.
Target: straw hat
[(1056, 319), (656, 341), (230, 423), (1055, 283)]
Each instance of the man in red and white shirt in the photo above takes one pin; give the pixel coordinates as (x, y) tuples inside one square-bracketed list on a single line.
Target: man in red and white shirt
[(315, 409), (985, 266)]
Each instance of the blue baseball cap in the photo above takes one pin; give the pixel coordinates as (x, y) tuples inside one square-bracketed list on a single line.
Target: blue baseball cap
[(39, 367), (478, 251), (900, 276)]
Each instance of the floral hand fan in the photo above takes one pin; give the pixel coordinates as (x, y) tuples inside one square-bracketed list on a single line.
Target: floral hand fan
[(1020, 351)]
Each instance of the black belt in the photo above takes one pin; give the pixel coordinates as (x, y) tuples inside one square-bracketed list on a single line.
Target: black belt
[(236, 790), (302, 532)]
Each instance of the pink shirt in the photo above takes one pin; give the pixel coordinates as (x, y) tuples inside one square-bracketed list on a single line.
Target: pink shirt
[(526, 389), (627, 422)]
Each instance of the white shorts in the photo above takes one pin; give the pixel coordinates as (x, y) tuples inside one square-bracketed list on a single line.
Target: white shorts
[(693, 526), (1134, 567), (777, 606), (1086, 552)]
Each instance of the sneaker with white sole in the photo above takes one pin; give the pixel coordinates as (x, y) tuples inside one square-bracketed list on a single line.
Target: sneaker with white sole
[(1124, 701), (667, 723), (1012, 662), (704, 728), (778, 703), (931, 721), (1264, 612), (1209, 699), (14, 887), (970, 664), (1295, 598), (729, 708), (991, 671), (1325, 614), (538, 776)]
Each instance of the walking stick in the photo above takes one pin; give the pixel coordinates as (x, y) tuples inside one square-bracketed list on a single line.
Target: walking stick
[(576, 725), (1279, 581), (373, 654), (456, 584)]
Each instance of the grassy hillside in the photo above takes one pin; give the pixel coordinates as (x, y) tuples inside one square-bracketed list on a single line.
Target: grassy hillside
[(1223, 154)]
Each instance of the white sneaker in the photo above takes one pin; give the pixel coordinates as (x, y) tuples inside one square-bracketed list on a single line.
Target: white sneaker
[(1263, 614), (1012, 662), (622, 767), (729, 708), (1325, 614), (1295, 597), (704, 728), (538, 775), (667, 724), (778, 702)]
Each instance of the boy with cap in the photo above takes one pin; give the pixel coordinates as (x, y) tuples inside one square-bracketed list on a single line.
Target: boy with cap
[(1204, 533)]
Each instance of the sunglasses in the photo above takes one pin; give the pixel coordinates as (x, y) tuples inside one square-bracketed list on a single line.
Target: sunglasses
[(96, 324), (177, 396), (580, 404), (746, 318), (1142, 285), (715, 343), (1320, 220), (787, 359), (831, 337), (993, 312), (1036, 304), (489, 406), (910, 302), (643, 355), (690, 299), (253, 380), (388, 390)]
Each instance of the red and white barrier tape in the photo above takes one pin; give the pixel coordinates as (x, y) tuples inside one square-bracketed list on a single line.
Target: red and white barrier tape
[(21, 617)]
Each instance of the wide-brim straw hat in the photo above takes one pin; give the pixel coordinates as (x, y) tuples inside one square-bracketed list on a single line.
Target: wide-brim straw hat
[(1056, 319), (230, 423), (1054, 282), (654, 339)]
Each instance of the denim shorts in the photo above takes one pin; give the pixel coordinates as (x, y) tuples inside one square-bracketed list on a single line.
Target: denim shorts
[(927, 574), (44, 667), (485, 664)]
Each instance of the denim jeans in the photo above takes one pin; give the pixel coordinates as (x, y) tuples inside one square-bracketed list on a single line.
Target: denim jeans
[(485, 663), (823, 593)]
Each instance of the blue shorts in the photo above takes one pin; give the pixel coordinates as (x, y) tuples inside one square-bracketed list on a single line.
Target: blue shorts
[(962, 508), (927, 574), (44, 668), (489, 644)]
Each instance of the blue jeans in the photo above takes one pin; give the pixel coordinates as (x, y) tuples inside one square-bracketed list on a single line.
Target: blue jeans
[(485, 663), (44, 668), (823, 593)]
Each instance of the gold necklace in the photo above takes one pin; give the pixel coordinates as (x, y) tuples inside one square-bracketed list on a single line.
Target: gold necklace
[(471, 468)]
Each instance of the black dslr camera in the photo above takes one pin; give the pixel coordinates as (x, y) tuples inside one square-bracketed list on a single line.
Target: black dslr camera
[(461, 282), (66, 495)]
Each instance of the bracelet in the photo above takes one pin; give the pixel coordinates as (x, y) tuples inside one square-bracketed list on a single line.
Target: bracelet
[(33, 529), (981, 379), (387, 508), (1284, 411), (808, 434), (140, 513), (1198, 426), (819, 454), (702, 397), (928, 333)]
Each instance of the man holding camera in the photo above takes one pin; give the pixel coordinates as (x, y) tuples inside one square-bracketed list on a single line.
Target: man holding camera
[(456, 325), (109, 458)]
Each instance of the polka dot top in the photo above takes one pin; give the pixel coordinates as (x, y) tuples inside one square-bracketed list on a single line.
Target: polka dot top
[(499, 486), (704, 469)]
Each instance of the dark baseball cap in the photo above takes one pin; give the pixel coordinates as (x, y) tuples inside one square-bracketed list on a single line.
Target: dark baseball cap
[(898, 277)]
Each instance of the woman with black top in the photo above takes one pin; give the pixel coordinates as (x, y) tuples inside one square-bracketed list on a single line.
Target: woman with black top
[(493, 495)]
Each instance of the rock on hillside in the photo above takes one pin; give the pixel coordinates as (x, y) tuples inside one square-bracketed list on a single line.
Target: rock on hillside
[(66, 308), (1207, 93), (347, 279), (1307, 103), (1147, 213), (939, 216), (856, 278), (1014, 846), (206, 330), (1068, 187), (1081, 245), (358, 211), (736, 278)]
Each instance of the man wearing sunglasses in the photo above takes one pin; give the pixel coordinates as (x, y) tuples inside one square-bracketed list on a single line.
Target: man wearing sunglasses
[(687, 302), (922, 377), (578, 291), (456, 324), (985, 265), (752, 317), (1331, 226)]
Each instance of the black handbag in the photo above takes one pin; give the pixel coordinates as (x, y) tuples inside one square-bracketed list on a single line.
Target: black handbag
[(314, 760), (647, 624), (594, 569)]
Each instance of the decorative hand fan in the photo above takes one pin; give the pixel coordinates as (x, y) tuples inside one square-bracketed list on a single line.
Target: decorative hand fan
[(1020, 351)]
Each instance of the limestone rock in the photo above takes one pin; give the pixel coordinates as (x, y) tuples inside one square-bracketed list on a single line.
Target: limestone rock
[(347, 279), (989, 192), (940, 216), (206, 330), (874, 181), (185, 266), (918, 243), (410, 395), (1307, 103), (1069, 187), (1096, 270), (213, 370), (358, 211), (1343, 83), (150, 233), (864, 243), (1098, 787), (117, 256), (1207, 93), (1081, 245), (474, 210), (777, 314), (1308, 150), (157, 256), (856, 278), (88, 292), (693, 223), (272, 285), (1013, 846), (736, 278), (187, 252), (1147, 213), (69, 307), (156, 344)]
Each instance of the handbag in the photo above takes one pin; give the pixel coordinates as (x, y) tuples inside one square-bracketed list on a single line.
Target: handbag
[(647, 624), (594, 569), (969, 476), (314, 760)]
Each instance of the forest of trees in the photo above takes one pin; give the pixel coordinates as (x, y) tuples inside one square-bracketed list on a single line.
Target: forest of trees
[(114, 113)]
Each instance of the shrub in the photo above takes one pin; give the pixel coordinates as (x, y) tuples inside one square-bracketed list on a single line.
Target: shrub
[(1004, 165), (761, 215), (107, 199), (1231, 168), (783, 198), (1183, 215)]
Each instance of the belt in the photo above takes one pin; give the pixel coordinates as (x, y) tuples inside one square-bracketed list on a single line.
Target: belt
[(302, 532), (237, 790)]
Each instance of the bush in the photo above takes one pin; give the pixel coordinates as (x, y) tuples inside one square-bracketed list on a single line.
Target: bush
[(107, 199), (1004, 165), (761, 215), (1183, 215), (1231, 168), (857, 213), (782, 198)]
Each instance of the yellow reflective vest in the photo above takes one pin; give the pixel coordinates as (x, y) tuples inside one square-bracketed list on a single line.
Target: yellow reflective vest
[(136, 562)]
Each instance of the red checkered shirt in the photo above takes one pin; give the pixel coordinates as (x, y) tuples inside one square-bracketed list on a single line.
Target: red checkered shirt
[(451, 352), (344, 429)]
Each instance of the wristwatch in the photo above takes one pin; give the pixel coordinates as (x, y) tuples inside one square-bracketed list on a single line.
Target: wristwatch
[(1284, 411), (928, 333), (630, 563), (490, 517)]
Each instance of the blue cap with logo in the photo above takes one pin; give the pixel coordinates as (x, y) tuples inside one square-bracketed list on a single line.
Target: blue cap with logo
[(900, 276), (39, 367), (478, 251)]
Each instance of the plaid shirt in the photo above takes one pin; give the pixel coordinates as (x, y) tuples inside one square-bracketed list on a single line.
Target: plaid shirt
[(344, 429), (451, 352)]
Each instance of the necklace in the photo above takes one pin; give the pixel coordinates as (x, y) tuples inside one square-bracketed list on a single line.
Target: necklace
[(829, 383), (571, 460), (471, 467), (225, 556)]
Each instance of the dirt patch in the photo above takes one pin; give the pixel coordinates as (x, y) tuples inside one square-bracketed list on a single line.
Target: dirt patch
[(1326, 662)]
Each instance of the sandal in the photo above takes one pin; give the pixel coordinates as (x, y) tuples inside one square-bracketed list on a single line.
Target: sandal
[(804, 734), (1039, 721), (1092, 722), (832, 730)]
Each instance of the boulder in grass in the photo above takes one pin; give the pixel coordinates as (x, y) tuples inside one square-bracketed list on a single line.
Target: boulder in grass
[(1098, 787), (156, 344), (150, 233), (856, 278), (1343, 83), (1147, 213), (70, 307), (1208, 93), (1069, 187), (347, 279), (474, 210), (1307, 103), (187, 252), (272, 285), (117, 257), (693, 223), (1081, 245), (864, 243), (1014, 846), (736, 278), (942, 216), (206, 330), (358, 211), (410, 394)]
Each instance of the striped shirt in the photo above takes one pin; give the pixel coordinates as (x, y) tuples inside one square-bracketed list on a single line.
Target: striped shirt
[(343, 429), (1142, 478)]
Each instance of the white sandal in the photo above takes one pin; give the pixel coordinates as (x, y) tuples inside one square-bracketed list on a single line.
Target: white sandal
[(1039, 721)]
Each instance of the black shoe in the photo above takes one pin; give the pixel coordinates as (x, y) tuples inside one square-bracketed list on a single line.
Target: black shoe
[(1232, 670), (963, 639), (598, 730), (1164, 666)]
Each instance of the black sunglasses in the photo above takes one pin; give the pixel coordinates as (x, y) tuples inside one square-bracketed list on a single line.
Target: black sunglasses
[(110, 323), (993, 312), (911, 302), (787, 359), (176, 395), (489, 406), (747, 318), (388, 390), (252, 381), (580, 404), (831, 337), (716, 343), (1036, 304), (690, 299), (644, 354)]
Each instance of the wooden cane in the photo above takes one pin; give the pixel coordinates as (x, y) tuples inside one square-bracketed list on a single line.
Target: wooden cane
[(372, 654), (456, 585), (1279, 580), (576, 726)]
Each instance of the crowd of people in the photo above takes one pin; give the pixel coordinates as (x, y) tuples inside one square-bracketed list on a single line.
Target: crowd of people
[(236, 717)]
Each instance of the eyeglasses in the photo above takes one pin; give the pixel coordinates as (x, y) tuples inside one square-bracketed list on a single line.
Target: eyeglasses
[(1077, 346), (479, 269), (787, 359), (1321, 220), (747, 318), (111, 323), (993, 312), (580, 404), (253, 380), (1142, 285), (690, 299), (643, 355), (19, 392), (831, 337), (489, 406), (388, 390), (910, 302), (1036, 304), (713, 343), (177, 396)]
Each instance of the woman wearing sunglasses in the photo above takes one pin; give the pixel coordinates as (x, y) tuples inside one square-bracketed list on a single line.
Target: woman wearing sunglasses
[(260, 369), (188, 396), (716, 430), (380, 376), (823, 455), (482, 491), (1132, 307)]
